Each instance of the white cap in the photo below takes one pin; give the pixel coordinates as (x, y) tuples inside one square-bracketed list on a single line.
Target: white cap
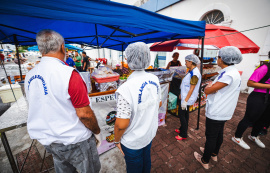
[(230, 55), (193, 58), (138, 56)]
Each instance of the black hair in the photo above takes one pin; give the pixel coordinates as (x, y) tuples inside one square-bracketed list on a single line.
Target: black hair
[(84, 52), (194, 64)]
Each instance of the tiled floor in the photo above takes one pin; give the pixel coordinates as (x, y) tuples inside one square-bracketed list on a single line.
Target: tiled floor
[(170, 155)]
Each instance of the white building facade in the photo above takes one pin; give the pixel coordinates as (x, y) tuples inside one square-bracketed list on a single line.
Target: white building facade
[(238, 14)]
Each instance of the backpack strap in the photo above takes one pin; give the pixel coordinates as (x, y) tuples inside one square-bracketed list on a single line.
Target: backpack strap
[(267, 75), (264, 79)]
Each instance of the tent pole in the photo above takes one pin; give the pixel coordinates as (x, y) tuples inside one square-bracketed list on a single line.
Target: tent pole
[(17, 53), (97, 40), (200, 90)]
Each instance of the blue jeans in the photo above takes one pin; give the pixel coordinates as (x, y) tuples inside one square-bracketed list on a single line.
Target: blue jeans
[(138, 161)]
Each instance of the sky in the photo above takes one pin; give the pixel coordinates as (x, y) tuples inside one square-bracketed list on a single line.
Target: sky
[(129, 2)]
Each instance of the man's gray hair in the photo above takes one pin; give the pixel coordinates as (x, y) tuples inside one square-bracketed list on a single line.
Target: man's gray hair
[(49, 41)]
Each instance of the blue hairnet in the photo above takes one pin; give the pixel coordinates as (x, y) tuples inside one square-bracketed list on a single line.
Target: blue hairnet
[(138, 56), (230, 55), (193, 58)]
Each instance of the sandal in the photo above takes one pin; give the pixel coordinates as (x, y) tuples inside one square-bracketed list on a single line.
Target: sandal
[(177, 130), (198, 157), (214, 158), (179, 138)]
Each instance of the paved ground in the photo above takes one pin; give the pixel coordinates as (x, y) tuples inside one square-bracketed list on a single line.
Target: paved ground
[(170, 155)]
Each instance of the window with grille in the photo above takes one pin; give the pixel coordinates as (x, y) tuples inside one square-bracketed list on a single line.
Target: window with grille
[(213, 17)]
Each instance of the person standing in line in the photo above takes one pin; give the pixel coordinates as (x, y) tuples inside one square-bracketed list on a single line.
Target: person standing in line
[(138, 101), (175, 61), (63, 122), (77, 59), (221, 102), (86, 62), (258, 107), (70, 61), (189, 93)]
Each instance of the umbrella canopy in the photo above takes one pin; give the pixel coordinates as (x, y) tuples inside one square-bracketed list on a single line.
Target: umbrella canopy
[(68, 46), (100, 24), (219, 36)]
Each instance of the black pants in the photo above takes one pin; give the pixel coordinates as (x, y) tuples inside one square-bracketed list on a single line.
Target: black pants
[(214, 138), (79, 68), (184, 117), (257, 114)]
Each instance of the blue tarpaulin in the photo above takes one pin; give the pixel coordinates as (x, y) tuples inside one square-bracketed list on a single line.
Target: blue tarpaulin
[(93, 23), (67, 46)]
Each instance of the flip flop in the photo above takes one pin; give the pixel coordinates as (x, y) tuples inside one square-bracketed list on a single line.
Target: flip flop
[(198, 158), (177, 130), (179, 138), (214, 158)]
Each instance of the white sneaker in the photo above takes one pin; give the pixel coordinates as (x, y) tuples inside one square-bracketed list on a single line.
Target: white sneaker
[(240, 142), (256, 140)]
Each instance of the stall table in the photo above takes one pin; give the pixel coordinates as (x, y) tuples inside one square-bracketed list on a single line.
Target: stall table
[(15, 117)]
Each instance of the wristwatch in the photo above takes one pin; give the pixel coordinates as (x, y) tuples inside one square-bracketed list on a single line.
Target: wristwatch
[(116, 142)]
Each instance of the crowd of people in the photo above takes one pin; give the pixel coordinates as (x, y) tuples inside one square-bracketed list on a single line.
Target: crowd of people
[(64, 123), (77, 61)]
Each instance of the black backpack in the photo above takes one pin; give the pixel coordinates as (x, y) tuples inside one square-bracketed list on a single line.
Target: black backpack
[(264, 79)]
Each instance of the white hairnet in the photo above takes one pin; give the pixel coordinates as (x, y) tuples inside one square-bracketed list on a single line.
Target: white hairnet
[(193, 58), (138, 56), (230, 55)]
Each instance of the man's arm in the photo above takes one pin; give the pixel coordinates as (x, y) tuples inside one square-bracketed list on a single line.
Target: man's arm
[(88, 118), (84, 64)]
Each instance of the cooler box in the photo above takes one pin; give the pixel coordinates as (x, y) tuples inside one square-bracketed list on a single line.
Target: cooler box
[(7, 95)]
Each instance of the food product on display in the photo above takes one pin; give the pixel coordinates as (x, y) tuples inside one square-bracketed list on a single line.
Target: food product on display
[(163, 76), (106, 86), (105, 74), (110, 138)]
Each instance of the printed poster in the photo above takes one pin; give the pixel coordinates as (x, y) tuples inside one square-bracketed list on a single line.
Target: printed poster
[(104, 107), (164, 98)]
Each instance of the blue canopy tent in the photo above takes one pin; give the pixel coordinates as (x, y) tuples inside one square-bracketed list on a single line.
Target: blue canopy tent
[(68, 46), (94, 23)]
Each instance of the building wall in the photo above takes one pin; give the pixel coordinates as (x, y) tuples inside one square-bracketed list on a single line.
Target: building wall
[(240, 15)]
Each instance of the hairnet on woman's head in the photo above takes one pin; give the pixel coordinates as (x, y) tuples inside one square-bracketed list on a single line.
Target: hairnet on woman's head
[(138, 56), (193, 58), (230, 55)]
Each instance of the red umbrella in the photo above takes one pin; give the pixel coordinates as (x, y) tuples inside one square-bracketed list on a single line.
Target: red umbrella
[(219, 36)]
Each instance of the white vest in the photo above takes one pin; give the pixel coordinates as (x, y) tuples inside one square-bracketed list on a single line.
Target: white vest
[(52, 117), (185, 86), (221, 105), (142, 91)]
